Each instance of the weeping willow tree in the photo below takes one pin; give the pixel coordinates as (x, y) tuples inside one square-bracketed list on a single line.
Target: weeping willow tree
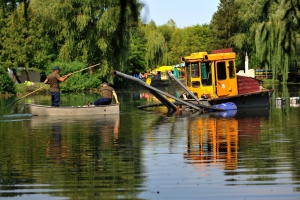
[(276, 38), (23, 42), (155, 46), (90, 31)]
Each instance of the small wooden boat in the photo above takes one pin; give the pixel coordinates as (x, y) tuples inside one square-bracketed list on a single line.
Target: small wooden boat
[(35, 109), (109, 121)]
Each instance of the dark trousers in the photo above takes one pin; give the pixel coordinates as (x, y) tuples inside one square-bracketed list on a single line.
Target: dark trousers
[(55, 98), (102, 101)]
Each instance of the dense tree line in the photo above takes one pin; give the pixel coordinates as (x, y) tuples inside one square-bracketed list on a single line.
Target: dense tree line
[(267, 29), (37, 33)]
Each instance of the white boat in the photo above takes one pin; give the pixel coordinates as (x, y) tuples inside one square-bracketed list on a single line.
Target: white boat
[(35, 109), (110, 121)]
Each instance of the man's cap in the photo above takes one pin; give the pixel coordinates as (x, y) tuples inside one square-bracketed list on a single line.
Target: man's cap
[(56, 68), (104, 82)]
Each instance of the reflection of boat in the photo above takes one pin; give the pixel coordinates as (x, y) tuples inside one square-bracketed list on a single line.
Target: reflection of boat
[(212, 140), (215, 138), (37, 121), (105, 127), (72, 110)]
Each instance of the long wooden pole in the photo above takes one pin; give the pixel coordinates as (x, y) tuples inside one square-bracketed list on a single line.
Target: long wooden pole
[(46, 85), (27, 95), (85, 68)]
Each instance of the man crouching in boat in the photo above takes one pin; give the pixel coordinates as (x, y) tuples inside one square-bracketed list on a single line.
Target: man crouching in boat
[(54, 79), (106, 95)]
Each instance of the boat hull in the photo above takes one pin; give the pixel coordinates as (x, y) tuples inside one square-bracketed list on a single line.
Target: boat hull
[(109, 121), (42, 110), (250, 100), (245, 101)]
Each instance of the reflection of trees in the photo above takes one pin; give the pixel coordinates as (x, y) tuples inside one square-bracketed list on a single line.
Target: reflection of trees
[(84, 158), (274, 149), (285, 130)]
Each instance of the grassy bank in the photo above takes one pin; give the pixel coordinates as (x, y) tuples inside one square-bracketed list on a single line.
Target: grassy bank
[(23, 89)]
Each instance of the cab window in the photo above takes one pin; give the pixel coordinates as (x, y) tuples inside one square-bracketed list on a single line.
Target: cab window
[(206, 77), (195, 70), (231, 69), (221, 69)]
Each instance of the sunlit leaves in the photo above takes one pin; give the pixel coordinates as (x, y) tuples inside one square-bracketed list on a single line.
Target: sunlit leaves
[(6, 82), (154, 48), (23, 41), (225, 24)]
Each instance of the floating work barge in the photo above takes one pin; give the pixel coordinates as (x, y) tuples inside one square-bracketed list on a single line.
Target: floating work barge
[(212, 84)]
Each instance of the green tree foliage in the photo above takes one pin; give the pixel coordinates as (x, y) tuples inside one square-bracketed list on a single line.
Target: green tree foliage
[(189, 40), (93, 31), (276, 39), (229, 32), (224, 24), (110, 32), (23, 42), (83, 31), (155, 45), (166, 44), (9, 6), (167, 30), (136, 61), (196, 38), (271, 35), (177, 47), (6, 82)]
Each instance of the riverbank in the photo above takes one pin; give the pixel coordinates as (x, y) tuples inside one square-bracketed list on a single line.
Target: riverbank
[(22, 89)]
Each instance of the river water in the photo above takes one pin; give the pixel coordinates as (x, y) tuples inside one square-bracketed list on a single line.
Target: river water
[(149, 154)]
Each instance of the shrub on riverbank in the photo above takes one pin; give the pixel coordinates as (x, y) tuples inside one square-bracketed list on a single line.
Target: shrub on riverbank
[(80, 81), (22, 89), (7, 85)]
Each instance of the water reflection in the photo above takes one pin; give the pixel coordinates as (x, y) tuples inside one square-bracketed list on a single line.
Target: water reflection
[(59, 154), (214, 138), (150, 155), (54, 148)]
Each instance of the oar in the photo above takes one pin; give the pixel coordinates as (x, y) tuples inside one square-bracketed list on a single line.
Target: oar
[(46, 85)]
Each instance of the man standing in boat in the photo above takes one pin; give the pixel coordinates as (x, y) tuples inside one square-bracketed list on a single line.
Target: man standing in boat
[(54, 79), (106, 95)]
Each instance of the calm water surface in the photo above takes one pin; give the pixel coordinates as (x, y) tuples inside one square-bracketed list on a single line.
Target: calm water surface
[(148, 154)]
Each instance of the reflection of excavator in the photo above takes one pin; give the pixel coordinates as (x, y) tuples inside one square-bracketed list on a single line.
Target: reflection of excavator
[(212, 140), (216, 137)]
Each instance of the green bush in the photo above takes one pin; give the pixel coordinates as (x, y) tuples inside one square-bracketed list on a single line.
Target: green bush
[(7, 85), (20, 88), (78, 82)]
